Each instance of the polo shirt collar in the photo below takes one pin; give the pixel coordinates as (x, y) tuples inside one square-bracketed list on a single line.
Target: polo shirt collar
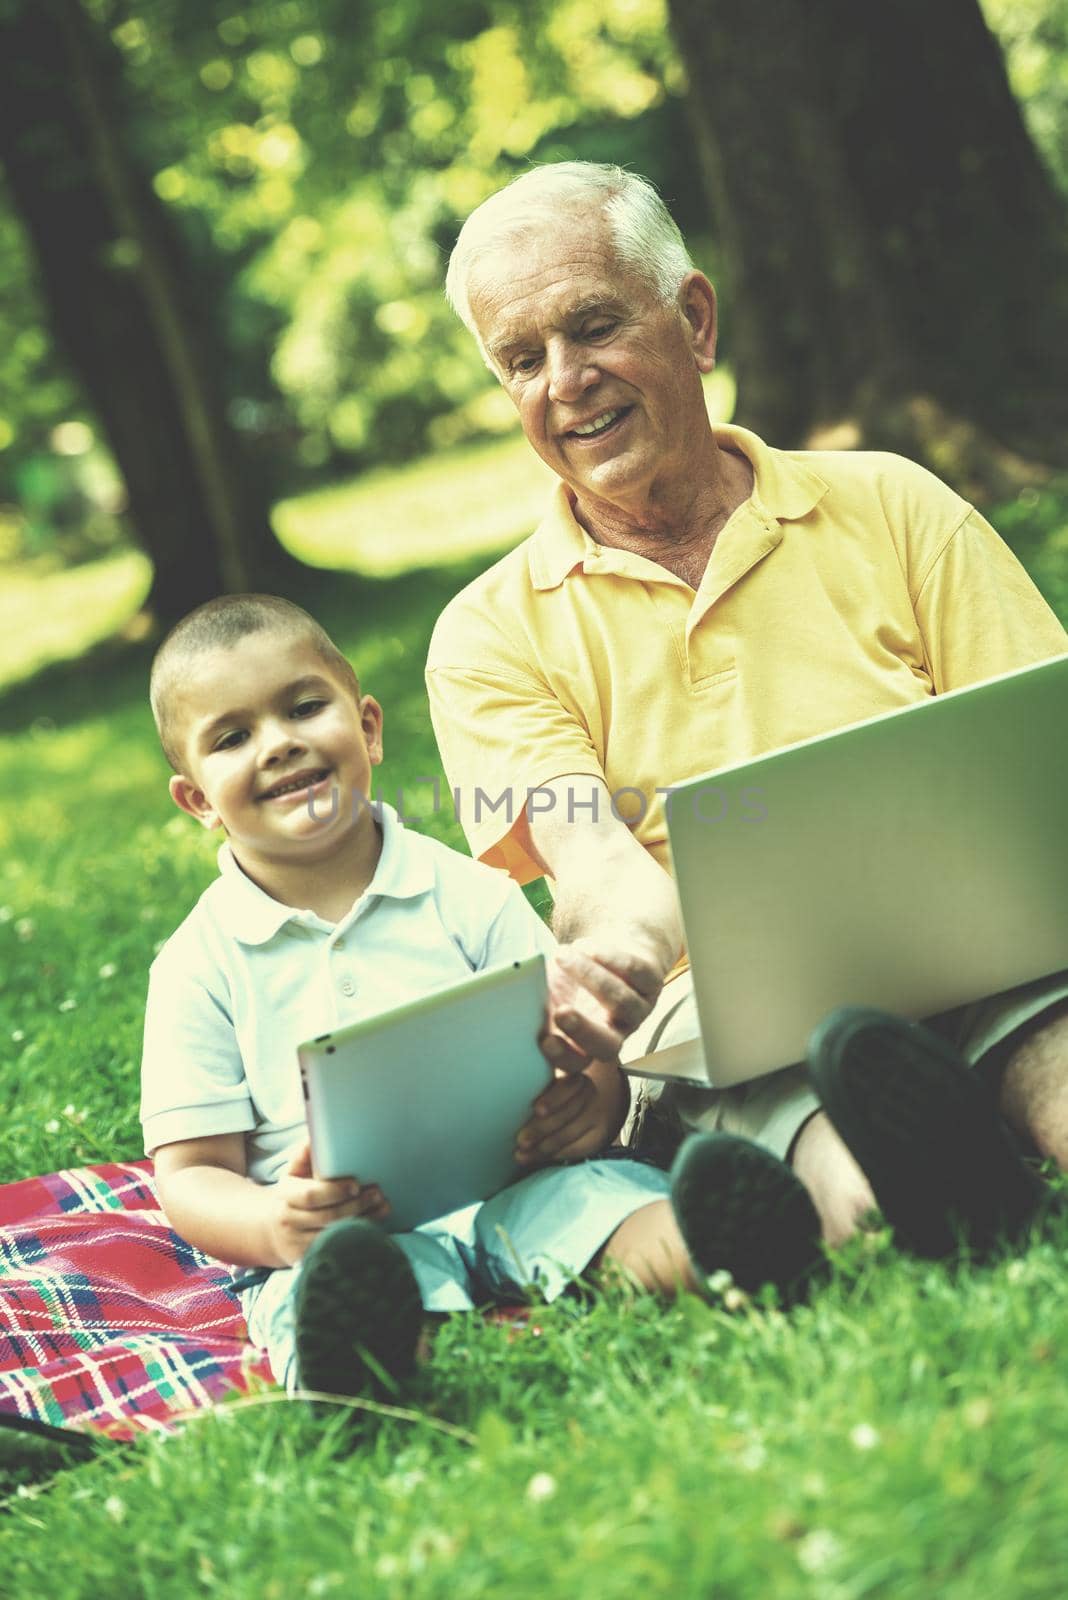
[(783, 486), (250, 915)]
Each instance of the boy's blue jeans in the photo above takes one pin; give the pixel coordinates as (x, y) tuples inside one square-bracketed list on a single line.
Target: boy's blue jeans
[(540, 1233)]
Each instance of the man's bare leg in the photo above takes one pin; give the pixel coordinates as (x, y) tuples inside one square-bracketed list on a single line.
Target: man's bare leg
[(734, 1208), (840, 1192), (1034, 1102), (649, 1248), (1034, 1089)]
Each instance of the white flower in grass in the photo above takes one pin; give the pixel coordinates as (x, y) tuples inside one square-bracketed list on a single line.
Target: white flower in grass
[(52, 1125), (864, 1436), (17, 1036), (108, 970), (25, 928), (817, 1550), (68, 1004), (406, 1482), (115, 1508), (978, 1412), (542, 1486), (752, 1456)]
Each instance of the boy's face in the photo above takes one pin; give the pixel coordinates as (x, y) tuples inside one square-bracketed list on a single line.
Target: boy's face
[(276, 748)]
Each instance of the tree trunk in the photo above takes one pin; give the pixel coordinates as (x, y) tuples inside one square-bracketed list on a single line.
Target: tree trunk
[(124, 304), (896, 251)]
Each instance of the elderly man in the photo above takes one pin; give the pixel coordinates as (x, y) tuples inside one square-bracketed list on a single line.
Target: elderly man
[(694, 598)]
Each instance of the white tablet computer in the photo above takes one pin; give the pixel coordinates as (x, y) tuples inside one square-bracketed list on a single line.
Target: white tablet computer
[(426, 1100)]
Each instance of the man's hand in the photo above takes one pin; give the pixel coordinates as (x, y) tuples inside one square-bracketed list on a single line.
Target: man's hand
[(302, 1205), (598, 994), (575, 1117)]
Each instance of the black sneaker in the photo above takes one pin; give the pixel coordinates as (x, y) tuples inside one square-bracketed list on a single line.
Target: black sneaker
[(742, 1210), (941, 1162), (358, 1312)]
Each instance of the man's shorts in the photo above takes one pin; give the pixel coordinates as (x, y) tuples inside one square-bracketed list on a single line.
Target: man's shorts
[(772, 1110)]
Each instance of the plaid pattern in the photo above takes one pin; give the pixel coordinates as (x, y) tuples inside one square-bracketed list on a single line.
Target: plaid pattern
[(110, 1322)]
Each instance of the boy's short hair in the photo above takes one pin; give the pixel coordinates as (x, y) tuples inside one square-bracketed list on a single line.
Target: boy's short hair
[(217, 625)]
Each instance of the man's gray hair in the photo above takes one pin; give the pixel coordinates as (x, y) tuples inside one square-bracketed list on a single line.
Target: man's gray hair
[(645, 235)]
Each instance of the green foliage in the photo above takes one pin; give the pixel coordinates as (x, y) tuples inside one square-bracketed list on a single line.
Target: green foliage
[(35, 392), (319, 165), (1034, 37), (318, 160), (902, 1437)]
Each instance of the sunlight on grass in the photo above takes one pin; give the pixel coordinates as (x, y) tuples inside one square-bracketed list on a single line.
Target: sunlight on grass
[(443, 509), (448, 507), (480, 500), (57, 616)]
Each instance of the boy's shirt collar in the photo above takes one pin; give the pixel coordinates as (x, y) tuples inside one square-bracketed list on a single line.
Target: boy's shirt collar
[(252, 916)]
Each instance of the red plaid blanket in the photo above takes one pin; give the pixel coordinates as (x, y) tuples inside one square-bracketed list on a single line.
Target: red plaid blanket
[(109, 1321)]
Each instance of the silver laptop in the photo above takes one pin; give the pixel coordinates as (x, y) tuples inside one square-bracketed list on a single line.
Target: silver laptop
[(914, 862)]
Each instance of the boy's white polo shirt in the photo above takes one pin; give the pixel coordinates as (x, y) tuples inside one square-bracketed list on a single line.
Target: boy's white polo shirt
[(245, 979)]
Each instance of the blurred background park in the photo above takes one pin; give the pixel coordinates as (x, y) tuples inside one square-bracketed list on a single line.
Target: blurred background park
[(226, 363), (224, 352)]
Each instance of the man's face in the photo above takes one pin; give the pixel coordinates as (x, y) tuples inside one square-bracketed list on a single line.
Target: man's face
[(277, 749), (605, 377)]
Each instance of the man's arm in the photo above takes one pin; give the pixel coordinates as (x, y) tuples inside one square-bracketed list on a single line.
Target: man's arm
[(616, 914), (211, 1202)]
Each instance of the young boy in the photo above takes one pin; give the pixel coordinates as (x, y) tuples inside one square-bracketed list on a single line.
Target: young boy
[(324, 912)]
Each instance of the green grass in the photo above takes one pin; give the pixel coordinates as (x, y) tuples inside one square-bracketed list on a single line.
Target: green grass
[(49, 615), (468, 503), (903, 1437), (471, 502)]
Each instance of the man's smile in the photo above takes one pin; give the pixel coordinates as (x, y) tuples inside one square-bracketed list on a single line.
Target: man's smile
[(596, 427), (296, 783)]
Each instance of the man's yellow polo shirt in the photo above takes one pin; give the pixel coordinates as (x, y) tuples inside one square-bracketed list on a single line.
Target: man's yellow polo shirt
[(846, 585)]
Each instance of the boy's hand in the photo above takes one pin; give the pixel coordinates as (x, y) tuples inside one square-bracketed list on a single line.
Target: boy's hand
[(575, 1117), (304, 1205)]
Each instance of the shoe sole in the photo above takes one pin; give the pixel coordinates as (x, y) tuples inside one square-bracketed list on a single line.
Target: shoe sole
[(358, 1312), (743, 1211), (940, 1162)]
